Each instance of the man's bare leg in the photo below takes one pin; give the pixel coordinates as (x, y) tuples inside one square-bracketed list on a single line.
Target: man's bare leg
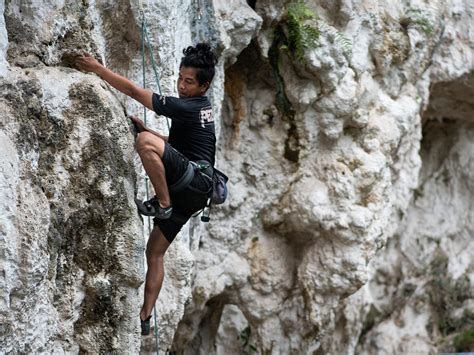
[(155, 251), (150, 148)]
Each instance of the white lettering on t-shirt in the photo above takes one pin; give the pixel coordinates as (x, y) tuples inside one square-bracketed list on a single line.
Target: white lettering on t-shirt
[(205, 116)]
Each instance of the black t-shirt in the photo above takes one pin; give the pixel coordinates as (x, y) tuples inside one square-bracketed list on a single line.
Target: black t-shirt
[(192, 130)]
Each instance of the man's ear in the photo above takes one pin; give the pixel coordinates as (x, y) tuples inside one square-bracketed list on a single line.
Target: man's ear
[(205, 86)]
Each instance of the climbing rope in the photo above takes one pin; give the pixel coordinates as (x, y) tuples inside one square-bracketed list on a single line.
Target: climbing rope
[(144, 37), (198, 9)]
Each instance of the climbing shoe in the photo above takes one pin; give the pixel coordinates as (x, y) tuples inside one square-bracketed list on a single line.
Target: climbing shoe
[(152, 208), (145, 324)]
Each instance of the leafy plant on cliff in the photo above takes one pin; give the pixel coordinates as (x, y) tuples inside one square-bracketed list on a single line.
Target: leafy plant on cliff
[(281, 41), (419, 19), (447, 295), (464, 342), (339, 38), (244, 337), (295, 33), (283, 105)]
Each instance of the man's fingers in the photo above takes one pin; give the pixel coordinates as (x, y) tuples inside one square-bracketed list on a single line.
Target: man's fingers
[(80, 60), (138, 123), (135, 119), (84, 59), (85, 62)]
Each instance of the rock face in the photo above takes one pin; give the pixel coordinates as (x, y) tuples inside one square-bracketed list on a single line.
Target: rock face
[(3, 41), (349, 223), (70, 259), (68, 219)]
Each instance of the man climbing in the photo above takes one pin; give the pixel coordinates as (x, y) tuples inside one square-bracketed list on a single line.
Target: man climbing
[(168, 160)]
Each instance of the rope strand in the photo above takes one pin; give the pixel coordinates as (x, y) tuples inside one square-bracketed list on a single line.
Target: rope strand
[(144, 35)]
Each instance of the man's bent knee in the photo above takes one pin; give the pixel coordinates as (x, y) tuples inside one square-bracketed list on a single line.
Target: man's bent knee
[(157, 245), (154, 254), (147, 141), (152, 257)]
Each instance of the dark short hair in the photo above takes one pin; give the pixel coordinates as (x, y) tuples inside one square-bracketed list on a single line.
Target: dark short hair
[(202, 58)]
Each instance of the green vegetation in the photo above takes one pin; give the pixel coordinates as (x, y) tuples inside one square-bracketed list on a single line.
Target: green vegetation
[(339, 37), (344, 42), (244, 337), (300, 30), (464, 342), (294, 33), (447, 295), (283, 104), (419, 19)]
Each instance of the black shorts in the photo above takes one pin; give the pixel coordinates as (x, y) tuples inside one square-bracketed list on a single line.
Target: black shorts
[(186, 202)]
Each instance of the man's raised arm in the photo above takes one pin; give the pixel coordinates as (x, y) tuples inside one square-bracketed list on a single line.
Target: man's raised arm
[(90, 64)]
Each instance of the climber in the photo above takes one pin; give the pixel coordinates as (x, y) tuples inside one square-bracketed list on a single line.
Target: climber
[(168, 159)]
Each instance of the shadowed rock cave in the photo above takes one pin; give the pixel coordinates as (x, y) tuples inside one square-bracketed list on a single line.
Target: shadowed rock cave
[(255, 93)]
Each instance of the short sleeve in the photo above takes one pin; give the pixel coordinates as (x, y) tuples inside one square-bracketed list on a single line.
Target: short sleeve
[(168, 106)]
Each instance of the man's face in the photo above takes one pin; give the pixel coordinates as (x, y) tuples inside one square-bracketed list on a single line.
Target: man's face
[(188, 84)]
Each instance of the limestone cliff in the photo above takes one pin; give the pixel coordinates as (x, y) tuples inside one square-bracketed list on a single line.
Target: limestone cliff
[(346, 128)]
